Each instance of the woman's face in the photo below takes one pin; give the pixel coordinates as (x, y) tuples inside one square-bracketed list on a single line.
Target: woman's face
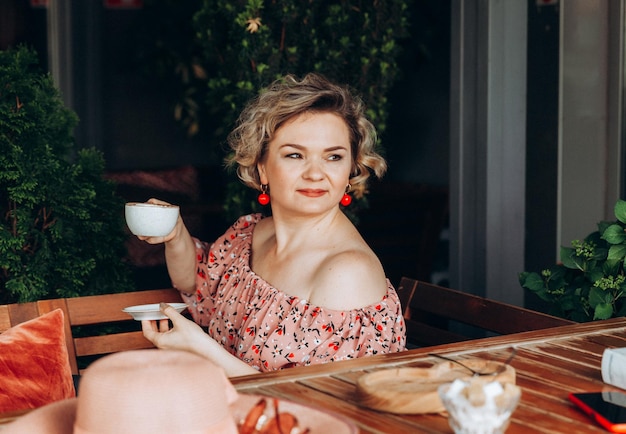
[(307, 164)]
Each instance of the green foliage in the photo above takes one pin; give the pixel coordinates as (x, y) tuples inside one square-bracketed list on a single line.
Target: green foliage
[(61, 224), (590, 282), (241, 46), (249, 43)]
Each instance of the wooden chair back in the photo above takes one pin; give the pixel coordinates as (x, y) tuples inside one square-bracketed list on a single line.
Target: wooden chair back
[(94, 325), (436, 315)]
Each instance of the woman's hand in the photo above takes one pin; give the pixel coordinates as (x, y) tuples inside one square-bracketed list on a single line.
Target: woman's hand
[(178, 229), (186, 335)]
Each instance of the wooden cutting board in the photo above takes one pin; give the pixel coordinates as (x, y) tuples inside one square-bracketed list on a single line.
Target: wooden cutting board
[(414, 390)]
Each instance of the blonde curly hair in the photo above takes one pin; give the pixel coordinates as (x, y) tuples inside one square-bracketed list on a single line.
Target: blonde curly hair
[(289, 97)]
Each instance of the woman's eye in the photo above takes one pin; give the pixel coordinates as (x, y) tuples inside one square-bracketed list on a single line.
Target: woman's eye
[(293, 155), (335, 157)]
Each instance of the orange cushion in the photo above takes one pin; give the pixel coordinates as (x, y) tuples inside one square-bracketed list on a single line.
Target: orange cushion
[(34, 365)]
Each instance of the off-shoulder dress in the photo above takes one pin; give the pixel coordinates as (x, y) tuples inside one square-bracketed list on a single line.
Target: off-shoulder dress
[(269, 329)]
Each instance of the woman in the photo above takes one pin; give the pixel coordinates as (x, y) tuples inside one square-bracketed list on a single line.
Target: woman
[(302, 286)]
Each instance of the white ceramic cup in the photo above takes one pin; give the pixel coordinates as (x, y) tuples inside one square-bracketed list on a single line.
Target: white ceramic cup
[(151, 220)]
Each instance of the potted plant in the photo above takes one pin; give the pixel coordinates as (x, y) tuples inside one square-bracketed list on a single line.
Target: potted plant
[(590, 282), (241, 46), (61, 223)]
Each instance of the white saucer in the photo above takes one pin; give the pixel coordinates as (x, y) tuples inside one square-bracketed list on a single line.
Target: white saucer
[(151, 311)]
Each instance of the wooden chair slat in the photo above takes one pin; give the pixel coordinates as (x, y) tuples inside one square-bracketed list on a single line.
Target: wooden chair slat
[(429, 310), (95, 345), (21, 312), (96, 309), (428, 335), (502, 318), (5, 319)]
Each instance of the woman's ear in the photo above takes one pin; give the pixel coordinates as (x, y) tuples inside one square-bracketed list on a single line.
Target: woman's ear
[(260, 167)]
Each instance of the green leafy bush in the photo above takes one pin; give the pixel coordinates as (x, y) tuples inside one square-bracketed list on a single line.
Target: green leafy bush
[(247, 44), (590, 283), (61, 223)]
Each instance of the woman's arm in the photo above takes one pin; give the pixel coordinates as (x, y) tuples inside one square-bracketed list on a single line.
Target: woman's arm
[(180, 255), (188, 336)]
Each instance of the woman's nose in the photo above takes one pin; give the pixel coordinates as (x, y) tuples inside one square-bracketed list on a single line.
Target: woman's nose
[(313, 170)]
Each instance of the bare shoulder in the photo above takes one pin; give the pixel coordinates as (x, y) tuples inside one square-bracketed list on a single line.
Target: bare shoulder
[(264, 224), (350, 279)]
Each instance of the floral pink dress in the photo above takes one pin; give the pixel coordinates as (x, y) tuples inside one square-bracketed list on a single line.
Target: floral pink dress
[(271, 330)]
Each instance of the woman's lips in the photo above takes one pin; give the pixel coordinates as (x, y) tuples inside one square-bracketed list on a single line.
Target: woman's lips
[(312, 192)]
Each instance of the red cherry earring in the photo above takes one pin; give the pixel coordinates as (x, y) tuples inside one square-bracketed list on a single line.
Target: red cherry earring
[(346, 199), (263, 198)]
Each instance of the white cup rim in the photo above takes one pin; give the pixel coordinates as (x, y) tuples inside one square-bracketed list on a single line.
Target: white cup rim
[(151, 205)]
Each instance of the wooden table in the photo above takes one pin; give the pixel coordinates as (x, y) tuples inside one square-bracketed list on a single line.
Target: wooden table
[(550, 363)]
